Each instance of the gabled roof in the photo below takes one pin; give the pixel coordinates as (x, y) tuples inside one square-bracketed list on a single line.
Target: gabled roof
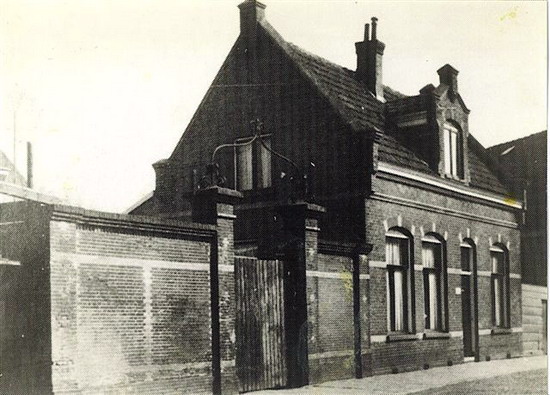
[(524, 161), (482, 168), (362, 111), (348, 96), (534, 139)]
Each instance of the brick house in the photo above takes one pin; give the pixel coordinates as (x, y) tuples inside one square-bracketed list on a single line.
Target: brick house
[(525, 163), (410, 215)]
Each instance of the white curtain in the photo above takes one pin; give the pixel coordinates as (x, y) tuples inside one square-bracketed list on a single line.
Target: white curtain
[(398, 300), (428, 256), (244, 167)]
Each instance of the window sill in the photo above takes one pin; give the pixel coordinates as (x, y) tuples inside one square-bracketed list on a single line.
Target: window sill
[(453, 178), (501, 331), (400, 337), (436, 335)]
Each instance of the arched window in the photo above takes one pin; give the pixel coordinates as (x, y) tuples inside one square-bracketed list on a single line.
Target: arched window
[(500, 286), (452, 148), (435, 282), (400, 281)]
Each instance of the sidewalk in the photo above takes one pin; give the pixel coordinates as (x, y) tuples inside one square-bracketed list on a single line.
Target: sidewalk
[(422, 380)]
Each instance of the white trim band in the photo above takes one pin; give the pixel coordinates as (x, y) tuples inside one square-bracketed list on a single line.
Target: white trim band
[(12, 223), (378, 338), (7, 262), (384, 167), (227, 216), (335, 275), (331, 354), (378, 264), (135, 262)]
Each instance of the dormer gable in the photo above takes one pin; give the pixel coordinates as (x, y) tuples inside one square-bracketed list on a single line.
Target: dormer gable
[(451, 126), (434, 125)]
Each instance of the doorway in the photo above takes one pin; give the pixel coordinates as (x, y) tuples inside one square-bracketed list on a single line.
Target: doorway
[(469, 298)]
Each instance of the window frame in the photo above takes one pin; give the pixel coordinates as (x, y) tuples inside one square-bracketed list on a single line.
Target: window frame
[(453, 160), (407, 283), (261, 171), (500, 276), (439, 273)]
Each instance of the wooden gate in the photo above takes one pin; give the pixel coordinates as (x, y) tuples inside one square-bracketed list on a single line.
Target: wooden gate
[(259, 325)]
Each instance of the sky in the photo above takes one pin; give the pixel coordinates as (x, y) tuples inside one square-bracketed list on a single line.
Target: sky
[(105, 88)]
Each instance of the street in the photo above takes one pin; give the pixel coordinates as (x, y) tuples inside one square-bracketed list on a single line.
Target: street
[(508, 376)]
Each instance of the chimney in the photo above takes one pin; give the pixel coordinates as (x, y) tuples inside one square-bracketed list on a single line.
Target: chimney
[(447, 76), (252, 11), (369, 60)]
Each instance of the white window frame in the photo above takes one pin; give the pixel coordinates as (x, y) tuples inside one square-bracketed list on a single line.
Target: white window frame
[(451, 148), (399, 291), (434, 283), (258, 164), (500, 288)]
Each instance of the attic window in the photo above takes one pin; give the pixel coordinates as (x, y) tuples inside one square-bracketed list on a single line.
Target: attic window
[(253, 165), (452, 144)]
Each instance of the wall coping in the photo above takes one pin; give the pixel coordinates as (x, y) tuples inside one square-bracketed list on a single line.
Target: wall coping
[(135, 222)]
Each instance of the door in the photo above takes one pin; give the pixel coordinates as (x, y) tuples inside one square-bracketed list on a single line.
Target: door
[(260, 333), (469, 297), (467, 327)]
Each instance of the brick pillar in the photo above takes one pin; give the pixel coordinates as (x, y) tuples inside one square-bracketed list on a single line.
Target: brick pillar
[(300, 234), (215, 206)]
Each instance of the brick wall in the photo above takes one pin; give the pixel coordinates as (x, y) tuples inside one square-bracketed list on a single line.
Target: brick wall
[(421, 211), (130, 310), (534, 318), (331, 331), (102, 302)]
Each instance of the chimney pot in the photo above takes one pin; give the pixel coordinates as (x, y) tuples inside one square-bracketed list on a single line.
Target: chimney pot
[(367, 33), (374, 24)]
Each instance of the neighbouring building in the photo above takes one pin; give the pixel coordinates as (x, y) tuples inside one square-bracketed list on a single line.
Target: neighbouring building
[(9, 175), (524, 162), (401, 245)]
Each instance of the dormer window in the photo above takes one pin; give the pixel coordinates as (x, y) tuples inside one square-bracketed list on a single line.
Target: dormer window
[(452, 150)]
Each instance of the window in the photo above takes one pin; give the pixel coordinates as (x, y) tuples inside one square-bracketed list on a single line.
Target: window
[(253, 165), (398, 261), (452, 149), (500, 284), (466, 256), (434, 270)]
